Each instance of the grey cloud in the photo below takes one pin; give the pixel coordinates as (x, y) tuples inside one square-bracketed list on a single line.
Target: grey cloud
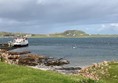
[(110, 28), (48, 13), (59, 10)]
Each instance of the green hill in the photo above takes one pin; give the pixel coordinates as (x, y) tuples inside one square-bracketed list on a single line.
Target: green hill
[(70, 34), (74, 33), (65, 34)]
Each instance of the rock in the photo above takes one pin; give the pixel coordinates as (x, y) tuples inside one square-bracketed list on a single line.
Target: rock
[(13, 57), (19, 53), (31, 60), (56, 62), (3, 50), (27, 61), (69, 68)]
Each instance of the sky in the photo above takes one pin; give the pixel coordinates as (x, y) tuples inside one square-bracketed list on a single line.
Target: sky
[(53, 16)]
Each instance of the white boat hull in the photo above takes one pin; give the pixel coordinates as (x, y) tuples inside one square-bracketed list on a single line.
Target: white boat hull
[(20, 42), (18, 45)]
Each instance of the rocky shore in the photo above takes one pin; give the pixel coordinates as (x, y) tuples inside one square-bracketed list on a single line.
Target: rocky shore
[(26, 58)]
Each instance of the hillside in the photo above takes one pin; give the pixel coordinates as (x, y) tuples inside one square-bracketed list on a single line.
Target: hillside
[(65, 34), (11, 34), (68, 33), (71, 33)]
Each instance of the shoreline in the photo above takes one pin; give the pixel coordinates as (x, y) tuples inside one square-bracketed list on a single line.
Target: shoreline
[(26, 58), (94, 71), (41, 62)]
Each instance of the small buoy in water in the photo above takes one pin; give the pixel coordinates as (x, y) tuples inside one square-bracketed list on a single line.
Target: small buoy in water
[(74, 47)]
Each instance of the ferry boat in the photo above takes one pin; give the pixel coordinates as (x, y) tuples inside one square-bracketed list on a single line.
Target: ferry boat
[(19, 42)]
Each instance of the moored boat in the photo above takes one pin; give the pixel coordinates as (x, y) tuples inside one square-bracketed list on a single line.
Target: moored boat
[(19, 42)]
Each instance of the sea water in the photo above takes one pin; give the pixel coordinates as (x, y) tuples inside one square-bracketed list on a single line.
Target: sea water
[(79, 51)]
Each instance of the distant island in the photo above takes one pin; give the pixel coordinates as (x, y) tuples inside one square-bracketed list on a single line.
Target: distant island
[(65, 34)]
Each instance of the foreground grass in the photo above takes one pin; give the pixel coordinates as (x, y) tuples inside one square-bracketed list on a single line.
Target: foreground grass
[(113, 74), (21, 74), (105, 72)]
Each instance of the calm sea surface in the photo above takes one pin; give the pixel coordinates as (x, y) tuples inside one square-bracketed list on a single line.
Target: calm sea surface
[(79, 51)]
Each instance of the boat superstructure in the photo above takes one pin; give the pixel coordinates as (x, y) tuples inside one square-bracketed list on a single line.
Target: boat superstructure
[(19, 42)]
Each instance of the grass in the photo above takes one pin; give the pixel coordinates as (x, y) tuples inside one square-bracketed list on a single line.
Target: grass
[(113, 74), (105, 72), (21, 74)]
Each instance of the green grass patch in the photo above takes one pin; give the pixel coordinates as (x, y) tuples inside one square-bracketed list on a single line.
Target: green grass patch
[(22, 74), (113, 73)]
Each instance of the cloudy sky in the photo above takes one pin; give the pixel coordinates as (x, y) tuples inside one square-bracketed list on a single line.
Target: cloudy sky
[(51, 16)]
